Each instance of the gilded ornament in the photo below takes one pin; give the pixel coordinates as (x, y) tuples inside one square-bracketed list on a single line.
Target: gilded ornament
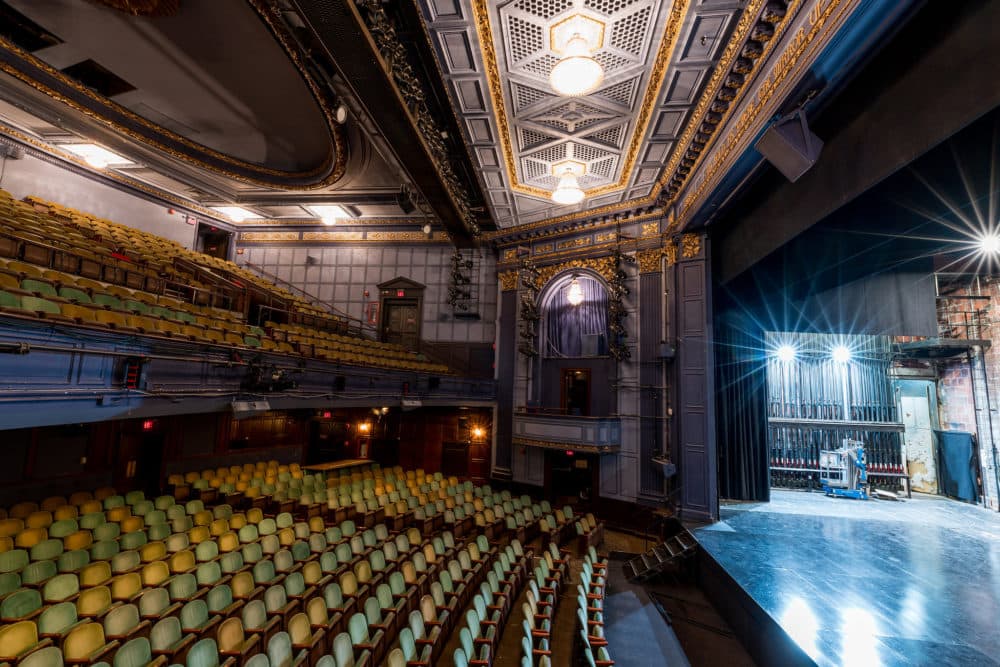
[(649, 260), (690, 245), (508, 281), (602, 266)]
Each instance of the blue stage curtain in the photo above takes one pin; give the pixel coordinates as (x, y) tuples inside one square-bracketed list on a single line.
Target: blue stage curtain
[(566, 324)]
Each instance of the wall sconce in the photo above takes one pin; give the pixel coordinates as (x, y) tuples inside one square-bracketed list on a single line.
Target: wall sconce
[(478, 433), (365, 427)]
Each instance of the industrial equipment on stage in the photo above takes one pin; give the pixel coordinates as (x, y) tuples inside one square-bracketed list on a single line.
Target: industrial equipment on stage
[(843, 472), (823, 389)]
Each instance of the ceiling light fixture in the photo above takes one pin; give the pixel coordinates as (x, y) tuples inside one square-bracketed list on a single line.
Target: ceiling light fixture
[(575, 293), (235, 213), (576, 39), (568, 191), (96, 156), (330, 213)]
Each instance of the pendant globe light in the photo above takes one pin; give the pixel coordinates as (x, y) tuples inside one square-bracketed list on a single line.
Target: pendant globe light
[(568, 190), (574, 294), (576, 39)]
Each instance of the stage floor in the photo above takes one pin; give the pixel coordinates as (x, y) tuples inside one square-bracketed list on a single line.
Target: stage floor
[(869, 583)]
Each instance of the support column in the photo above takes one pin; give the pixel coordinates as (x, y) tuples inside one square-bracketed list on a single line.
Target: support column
[(506, 367), (651, 413), (697, 460)]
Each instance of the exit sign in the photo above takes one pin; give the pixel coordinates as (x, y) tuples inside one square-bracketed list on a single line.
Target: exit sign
[(401, 292)]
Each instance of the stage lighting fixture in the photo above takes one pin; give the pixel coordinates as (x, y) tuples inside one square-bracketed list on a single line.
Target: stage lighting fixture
[(990, 243), (786, 353), (841, 354)]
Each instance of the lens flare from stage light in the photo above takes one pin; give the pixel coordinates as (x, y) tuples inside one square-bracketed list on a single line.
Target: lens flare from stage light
[(841, 354), (786, 353), (989, 244)]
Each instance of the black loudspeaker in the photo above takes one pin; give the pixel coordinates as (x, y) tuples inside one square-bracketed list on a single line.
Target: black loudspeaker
[(790, 146), (339, 383), (433, 382)]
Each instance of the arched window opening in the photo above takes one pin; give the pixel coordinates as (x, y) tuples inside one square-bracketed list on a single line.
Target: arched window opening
[(575, 330)]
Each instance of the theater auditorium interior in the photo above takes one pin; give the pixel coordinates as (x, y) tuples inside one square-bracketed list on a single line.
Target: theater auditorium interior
[(499, 333)]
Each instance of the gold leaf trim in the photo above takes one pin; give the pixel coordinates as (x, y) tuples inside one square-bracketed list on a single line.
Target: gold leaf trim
[(690, 246), (668, 42), (508, 281)]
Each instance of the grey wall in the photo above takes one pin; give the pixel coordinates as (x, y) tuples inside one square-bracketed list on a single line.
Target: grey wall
[(893, 304), (342, 274), (31, 176)]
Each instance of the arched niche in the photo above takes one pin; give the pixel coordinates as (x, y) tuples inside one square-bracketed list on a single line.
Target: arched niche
[(573, 331), (573, 367)]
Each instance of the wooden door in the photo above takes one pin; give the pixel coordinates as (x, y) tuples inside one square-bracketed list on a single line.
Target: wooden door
[(401, 323)]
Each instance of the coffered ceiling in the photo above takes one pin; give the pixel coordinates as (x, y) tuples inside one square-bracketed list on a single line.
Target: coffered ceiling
[(496, 57)]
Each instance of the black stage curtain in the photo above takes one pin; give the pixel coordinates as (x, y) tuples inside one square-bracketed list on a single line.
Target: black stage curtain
[(741, 408)]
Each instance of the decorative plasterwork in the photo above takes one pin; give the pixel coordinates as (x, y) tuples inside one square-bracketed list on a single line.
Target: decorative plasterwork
[(601, 448), (690, 245), (649, 260), (602, 266), (508, 281), (514, 123)]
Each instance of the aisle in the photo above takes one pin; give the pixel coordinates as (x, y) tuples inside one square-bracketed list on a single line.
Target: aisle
[(638, 636)]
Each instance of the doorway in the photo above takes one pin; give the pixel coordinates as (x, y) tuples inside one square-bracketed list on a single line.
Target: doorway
[(401, 322), (576, 391), (140, 461), (213, 241), (572, 478)]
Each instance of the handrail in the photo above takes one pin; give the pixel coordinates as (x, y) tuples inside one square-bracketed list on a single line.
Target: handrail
[(316, 301), (136, 262)]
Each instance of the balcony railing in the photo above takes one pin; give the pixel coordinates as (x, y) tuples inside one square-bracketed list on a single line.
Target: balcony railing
[(552, 430)]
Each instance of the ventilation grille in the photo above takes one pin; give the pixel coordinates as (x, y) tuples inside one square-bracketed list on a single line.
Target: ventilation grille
[(530, 139), (526, 96), (620, 93), (541, 66), (610, 137), (587, 153), (545, 9), (629, 33), (525, 38), (608, 6), (551, 154)]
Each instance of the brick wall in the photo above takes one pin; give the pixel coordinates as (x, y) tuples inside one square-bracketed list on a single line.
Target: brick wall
[(962, 389)]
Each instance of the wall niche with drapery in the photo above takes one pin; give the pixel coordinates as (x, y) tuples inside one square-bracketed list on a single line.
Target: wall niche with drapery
[(575, 330)]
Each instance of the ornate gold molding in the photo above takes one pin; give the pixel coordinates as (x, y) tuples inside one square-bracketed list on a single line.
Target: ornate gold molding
[(649, 260), (657, 76), (595, 213), (508, 281), (602, 266), (269, 236), (690, 245), (602, 448), (819, 16), (670, 253)]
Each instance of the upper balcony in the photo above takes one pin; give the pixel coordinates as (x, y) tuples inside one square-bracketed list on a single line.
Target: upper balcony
[(553, 429)]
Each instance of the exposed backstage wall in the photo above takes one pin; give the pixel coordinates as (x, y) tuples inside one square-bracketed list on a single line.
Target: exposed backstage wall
[(32, 176), (341, 274)]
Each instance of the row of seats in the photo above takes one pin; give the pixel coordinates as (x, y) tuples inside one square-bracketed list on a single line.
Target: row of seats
[(122, 289), (591, 648), (146, 601)]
